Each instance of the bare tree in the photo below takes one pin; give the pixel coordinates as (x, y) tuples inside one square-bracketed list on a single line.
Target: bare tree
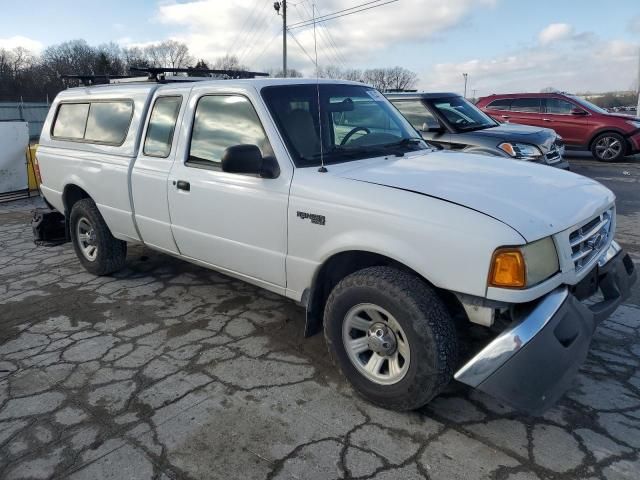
[(291, 73), (399, 78), (376, 77), (73, 57), (135, 57), (229, 62), (169, 53), (394, 78)]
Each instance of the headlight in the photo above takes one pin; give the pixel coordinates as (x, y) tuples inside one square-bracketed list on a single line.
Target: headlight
[(522, 151), (520, 267), (634, 123)]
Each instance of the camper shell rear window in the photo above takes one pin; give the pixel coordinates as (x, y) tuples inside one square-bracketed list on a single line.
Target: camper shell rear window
[(104, 122)]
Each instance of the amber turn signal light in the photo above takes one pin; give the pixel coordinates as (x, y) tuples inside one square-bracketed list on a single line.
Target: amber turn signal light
[(507, 269)]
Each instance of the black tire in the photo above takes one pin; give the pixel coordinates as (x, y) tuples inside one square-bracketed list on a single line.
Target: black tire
[(609, 147), (429, 329), (111, 253)]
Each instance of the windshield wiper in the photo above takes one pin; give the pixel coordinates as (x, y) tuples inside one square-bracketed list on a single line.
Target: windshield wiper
[(405, 142), (337, 154)]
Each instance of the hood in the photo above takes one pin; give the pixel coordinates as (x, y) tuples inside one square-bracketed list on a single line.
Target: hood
[(622, 116), (503, 129), (511, 132), (535, 200)]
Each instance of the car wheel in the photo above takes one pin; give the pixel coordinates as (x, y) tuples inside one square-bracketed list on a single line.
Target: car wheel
[(391, 336), (608, 147), (97, 249)]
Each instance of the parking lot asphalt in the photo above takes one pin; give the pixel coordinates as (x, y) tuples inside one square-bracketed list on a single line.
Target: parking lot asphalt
[(167, 370)]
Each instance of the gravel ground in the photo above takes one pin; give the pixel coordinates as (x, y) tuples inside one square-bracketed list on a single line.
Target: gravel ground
[(167, 370)]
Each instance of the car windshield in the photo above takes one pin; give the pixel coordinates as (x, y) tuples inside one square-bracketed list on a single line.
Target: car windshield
[(353, 122), (462, 115), (588, 104)]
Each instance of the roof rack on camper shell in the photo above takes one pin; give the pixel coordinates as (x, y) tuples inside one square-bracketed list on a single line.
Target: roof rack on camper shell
[(160, 75)]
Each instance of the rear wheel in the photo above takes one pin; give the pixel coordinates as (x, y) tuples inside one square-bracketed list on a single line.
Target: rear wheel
[(608, 147), (97, 249), (391, 336)]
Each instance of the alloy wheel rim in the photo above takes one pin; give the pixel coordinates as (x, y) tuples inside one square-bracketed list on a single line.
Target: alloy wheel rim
[(608, 148), (376, 344), (87, 239)]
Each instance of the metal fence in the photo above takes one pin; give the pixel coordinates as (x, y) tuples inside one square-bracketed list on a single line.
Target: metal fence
[(32, 112)]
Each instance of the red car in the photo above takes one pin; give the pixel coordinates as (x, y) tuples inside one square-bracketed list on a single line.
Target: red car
[(581, 124)]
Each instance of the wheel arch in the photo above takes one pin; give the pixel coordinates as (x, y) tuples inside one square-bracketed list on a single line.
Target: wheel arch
[(609, 130), (71, 194), (344, 263)]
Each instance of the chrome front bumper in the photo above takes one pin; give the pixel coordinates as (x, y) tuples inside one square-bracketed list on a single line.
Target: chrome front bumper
[(531, 364)]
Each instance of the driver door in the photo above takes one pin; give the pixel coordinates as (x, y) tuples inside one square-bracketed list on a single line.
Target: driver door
[(234, 222)]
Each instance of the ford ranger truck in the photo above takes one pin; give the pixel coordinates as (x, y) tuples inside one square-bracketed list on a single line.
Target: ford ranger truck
[(322, 192)]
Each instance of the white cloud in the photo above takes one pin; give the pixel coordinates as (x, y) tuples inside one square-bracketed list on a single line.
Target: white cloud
[(212, 28), (20, 41), (584, 62), (555, 32)]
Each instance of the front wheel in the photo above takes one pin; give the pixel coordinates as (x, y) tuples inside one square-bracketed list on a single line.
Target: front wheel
[(608, 147), (391, 336), (97, 249)]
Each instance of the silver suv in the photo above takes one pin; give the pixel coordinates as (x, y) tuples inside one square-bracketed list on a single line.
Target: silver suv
[(449, 121)]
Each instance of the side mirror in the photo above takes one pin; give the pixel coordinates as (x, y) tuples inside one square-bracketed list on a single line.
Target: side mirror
[(247, 159), (578, 111), (432, 127)]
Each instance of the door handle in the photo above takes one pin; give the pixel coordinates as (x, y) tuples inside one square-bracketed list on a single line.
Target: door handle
[(183, 185), (504, 116), (546, 120)]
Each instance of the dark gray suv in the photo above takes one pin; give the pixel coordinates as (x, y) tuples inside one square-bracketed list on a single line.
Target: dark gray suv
[(451, 122)]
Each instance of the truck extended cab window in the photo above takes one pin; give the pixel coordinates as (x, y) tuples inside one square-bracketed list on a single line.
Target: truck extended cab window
[(162, 124), (223, 121)]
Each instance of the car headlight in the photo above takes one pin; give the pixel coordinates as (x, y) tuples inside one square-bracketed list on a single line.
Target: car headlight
[(525, 266), (634, 123), (522, 151)]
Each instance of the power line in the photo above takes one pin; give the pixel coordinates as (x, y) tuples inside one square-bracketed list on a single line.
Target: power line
[(259, 56), (246, 41), (328, 51), (326, 34), (334, 15), (244, 24), (252, 41), (301, 47)]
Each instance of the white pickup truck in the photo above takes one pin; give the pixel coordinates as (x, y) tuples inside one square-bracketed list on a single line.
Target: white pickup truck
[(322, 192)]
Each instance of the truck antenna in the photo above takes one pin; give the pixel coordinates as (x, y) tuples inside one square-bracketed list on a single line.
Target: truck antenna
[(322, 168)]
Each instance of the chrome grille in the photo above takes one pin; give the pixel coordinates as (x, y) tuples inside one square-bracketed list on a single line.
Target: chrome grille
[(588, 241)]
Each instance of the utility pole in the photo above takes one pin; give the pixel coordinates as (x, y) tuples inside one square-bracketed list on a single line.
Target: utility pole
[(465, 75), (638, 106), (277, 6)]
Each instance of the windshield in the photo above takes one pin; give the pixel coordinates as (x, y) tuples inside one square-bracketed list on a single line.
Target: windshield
[(588, 104), (355, 122), (462, 115)]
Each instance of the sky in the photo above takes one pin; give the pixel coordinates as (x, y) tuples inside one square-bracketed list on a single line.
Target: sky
[(503, 45)]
